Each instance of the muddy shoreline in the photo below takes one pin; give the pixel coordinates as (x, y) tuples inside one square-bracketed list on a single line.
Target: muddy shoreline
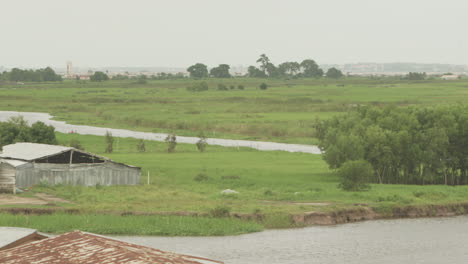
[(343, 216)]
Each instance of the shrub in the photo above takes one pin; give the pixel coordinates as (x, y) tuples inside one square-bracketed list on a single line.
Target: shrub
[(232, 87), (263, 86), (198, 87), (201, 177), (201, 143), (240, 87), (171, 141), (141, 146), (75, 143), (355, 175), (220, 211), (222, 87), (44, 183), (109, 142), (230, 177)]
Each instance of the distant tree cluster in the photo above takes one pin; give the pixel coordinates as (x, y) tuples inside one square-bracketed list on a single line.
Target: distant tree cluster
[(416, 76), (40, 75), (16, 129), (416, 145), (99, 77), (266, 69)]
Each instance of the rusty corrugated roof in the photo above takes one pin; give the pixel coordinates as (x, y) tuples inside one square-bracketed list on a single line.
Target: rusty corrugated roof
[(81, 247)]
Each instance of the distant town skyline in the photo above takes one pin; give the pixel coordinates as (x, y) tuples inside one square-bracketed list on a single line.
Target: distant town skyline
[(178, 33)]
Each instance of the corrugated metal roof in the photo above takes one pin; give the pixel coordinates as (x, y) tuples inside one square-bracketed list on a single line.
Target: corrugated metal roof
[(81, 247), (14, 163), (10, 235), (31, 151)]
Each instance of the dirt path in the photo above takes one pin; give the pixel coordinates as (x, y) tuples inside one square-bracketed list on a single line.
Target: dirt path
[(39, 199)]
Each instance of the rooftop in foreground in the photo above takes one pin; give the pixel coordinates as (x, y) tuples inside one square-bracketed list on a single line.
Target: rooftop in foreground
[(81, 247)]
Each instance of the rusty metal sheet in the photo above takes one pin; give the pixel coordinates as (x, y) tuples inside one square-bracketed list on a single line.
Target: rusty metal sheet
[(86, 248)]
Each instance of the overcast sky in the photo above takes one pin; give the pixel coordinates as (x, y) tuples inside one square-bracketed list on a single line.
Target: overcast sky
[(177, 33)]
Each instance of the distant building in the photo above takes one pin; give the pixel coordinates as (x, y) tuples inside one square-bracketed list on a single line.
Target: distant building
[(25, 164), (81, 247), (69, 73), (449, 77), (83, 77)]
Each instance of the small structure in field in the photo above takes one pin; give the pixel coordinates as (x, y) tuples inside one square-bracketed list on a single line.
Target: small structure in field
[(81, 247), (449, 77), (11, 237), (25, 164)]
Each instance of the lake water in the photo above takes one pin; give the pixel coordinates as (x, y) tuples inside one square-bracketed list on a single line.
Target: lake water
[(63, 127), (403, 241)]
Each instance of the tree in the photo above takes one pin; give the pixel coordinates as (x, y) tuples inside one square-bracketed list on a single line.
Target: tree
[(355, 175), (16, 129), (39, 75), (416, 76), (272, 70), (264, 61), (99, 77), (289, 69), (411, 145), (171, 141), (222, 71), (254, 72), (198, 70), (334, 73), (42, 133), (109, 142), (311, 69)]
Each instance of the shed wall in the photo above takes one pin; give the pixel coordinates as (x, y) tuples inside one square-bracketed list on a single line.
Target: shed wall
[(107, 173), (7, 178)]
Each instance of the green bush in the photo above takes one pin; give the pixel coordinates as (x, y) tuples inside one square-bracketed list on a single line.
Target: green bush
[(201, 177), (355, 175), (75, 143), (222, 87), (198, 87), (220, 211), (263, 86)]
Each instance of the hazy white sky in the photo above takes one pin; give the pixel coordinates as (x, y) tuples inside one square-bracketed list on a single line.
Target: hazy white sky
[(177, 33)]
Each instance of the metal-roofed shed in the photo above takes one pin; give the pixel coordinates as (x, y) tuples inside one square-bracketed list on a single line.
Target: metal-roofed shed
[(25, 164), (81, 247)]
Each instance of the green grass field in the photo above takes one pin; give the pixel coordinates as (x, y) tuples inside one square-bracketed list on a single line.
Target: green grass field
[(285, 112), (275, 184)]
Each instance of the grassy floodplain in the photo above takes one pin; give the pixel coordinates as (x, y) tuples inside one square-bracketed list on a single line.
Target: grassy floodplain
[(274, 184), (284, 112)]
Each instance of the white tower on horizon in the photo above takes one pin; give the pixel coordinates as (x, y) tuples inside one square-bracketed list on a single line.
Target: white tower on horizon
[(69, 69)]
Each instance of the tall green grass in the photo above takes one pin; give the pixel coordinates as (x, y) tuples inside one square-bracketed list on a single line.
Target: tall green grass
[(132, 225)]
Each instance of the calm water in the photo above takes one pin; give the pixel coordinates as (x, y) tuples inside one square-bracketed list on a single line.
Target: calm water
[(63, 127), (412, 241)]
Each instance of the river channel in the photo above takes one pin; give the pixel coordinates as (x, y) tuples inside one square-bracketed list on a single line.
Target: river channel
[(402, 241), (64, 127)]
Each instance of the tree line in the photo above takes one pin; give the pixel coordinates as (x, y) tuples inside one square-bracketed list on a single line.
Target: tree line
[(39, 75), (266, 69), (412, 145), (16, 129)]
